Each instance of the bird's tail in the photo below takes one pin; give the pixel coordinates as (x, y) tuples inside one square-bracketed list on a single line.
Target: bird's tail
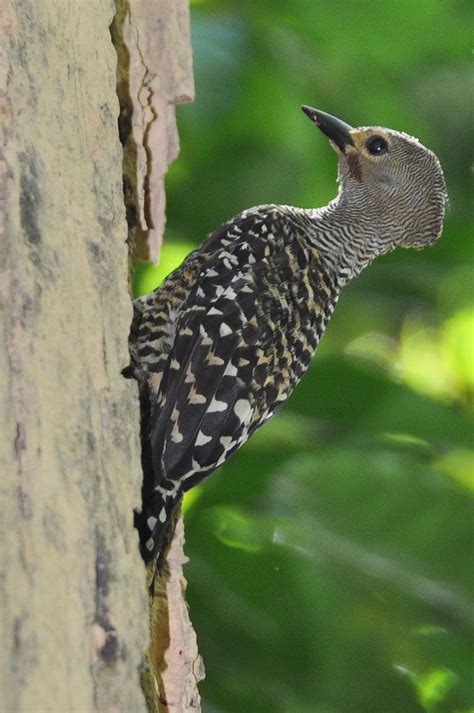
[(153, 525)]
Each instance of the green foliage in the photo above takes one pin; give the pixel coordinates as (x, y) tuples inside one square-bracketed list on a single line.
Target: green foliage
[(331, 558), (433, 686)]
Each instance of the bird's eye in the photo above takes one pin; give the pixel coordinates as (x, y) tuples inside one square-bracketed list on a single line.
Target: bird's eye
[(376, 145)]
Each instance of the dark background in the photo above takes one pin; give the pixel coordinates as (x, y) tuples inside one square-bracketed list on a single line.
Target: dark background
[(331, 559)]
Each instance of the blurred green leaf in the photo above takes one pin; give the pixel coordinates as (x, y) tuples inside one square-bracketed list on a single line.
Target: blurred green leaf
[(433, 686), (459, 465), (458, 348), (235, 529)]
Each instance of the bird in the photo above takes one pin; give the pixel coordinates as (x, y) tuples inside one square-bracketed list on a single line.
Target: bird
[(218, 347)]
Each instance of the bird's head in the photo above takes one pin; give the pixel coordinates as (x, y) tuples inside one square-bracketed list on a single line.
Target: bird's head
[(390, 179)]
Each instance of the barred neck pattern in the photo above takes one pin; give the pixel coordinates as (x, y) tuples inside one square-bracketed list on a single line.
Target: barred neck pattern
[(345, 242)]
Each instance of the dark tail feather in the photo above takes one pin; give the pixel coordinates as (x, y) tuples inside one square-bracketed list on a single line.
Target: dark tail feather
[(153, 531), (158, 503), (153, 524)]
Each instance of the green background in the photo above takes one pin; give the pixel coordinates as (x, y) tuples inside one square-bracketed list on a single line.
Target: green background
[(331, 559)]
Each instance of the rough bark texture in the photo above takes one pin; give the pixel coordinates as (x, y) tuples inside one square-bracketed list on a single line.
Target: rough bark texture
[(173, 666), (154, 72), (74, 625)]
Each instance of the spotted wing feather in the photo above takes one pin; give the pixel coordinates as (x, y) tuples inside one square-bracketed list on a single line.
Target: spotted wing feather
[(195, 404), (223, 374)]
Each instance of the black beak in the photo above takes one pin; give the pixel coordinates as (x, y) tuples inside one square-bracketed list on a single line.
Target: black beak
[(335, 129)]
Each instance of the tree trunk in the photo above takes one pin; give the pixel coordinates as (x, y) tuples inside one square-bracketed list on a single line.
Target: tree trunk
[(74, 600)]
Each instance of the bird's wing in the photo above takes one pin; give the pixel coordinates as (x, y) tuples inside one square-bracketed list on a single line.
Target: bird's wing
[(209, 401), (233, 350), (156, 314)]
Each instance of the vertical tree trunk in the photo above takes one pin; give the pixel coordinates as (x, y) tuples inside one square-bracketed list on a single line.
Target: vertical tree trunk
[(74, 606), (154, 72)]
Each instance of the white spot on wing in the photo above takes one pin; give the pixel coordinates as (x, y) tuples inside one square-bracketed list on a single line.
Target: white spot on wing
[(162, 515), (229, 293), (176, 435), (230, 369), (151, 522), (213, 310), (195, 398), (243, 410), (190, 378), (206, 341), (224, 330), (226, 442), (214, 360), (216, 405), (202, 439)]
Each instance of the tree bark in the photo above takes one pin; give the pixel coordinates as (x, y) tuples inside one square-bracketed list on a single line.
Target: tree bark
[(74, 602), (154, 72)]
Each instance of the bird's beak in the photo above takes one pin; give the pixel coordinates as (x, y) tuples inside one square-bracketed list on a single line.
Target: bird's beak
[(335, 129)]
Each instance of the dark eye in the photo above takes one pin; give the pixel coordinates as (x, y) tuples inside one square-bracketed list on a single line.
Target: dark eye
[(376, 145)]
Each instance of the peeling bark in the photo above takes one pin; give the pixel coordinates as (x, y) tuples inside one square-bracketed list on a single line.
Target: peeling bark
[(154, 73)]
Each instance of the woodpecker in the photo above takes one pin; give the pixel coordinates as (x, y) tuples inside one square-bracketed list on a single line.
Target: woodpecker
[(220, 345)]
